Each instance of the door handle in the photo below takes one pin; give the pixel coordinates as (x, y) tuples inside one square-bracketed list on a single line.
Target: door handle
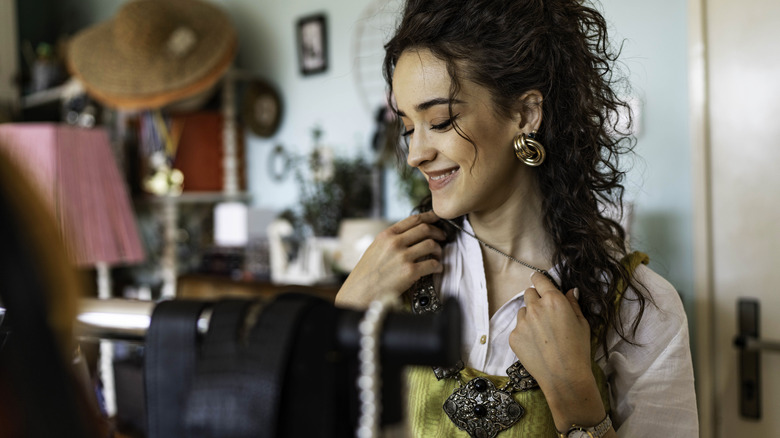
[(750, 345)]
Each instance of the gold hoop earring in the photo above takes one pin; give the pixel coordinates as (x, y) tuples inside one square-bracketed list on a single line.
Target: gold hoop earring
[(528, 150)]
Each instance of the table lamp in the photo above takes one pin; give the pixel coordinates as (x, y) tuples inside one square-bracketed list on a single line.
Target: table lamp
[(77, 176)]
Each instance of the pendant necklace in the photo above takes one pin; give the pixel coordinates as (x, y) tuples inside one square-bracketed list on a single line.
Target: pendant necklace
[(477, 407)]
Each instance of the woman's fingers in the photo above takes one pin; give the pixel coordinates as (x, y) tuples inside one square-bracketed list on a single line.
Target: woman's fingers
[(428, 267), (411, 231), (398, 257), (542, 284), (521, 314), (544, 287), (531, 296), (573, 297), (418, 241), (420, 233), (423, 244), (412, 221)]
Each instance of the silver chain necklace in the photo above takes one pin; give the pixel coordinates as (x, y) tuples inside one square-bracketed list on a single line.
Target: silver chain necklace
[(493, 248)]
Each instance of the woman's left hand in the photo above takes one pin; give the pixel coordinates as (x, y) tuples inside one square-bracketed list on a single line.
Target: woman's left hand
[(552, 341)]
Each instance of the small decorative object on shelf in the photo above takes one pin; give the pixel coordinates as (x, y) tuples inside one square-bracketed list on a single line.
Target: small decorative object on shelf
[(312, 260)]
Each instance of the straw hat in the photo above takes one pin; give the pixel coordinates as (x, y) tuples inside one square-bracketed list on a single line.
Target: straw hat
[(153, 52)]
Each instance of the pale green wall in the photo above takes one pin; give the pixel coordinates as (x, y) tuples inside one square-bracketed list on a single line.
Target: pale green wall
[(655, 52), (655, 44), (329, 100)]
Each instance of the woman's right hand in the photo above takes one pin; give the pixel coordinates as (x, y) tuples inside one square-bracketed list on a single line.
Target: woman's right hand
[(399, 256)]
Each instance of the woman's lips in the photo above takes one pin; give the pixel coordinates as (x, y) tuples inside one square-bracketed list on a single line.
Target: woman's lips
[(439, 179)]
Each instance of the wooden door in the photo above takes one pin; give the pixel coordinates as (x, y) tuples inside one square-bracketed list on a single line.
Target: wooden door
[(736, 118)]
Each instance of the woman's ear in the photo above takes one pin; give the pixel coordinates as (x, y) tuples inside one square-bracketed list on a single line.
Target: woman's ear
[(529, 113)]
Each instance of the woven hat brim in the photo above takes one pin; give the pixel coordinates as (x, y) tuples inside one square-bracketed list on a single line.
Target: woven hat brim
[(156, 80), (157, 100)]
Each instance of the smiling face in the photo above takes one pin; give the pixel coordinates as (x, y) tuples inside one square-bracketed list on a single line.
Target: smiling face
[(462, 178)]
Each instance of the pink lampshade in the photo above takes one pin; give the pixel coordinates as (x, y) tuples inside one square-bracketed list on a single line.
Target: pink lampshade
[(77, 175)]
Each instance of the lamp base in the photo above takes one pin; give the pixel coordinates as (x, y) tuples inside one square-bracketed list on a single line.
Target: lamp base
[(106, 362)]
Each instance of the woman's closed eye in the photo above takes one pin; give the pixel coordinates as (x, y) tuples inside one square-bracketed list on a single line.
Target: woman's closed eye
[(445, 125)]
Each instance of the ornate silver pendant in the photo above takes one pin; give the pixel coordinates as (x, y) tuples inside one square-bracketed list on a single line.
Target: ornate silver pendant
[(445, 373), (425, 299), (519, 378), (482, 410), (478, 407)]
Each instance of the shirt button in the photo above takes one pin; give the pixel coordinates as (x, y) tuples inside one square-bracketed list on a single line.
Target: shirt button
[(483, 339)]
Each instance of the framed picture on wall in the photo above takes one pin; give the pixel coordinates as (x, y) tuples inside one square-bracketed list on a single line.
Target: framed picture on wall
[(312, 44)]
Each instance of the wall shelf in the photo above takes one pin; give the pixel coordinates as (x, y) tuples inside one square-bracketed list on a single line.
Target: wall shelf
[(197, 198)]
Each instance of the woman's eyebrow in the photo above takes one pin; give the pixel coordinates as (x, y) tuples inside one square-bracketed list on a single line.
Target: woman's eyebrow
[(420, 107)]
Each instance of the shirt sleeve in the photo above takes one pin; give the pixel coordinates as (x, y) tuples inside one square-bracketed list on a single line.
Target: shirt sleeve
[(651, 381)]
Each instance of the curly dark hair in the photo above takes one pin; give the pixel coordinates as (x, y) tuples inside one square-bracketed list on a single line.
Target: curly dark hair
[(561, 49)]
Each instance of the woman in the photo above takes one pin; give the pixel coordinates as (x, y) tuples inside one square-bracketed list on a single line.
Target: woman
[(506, 107)]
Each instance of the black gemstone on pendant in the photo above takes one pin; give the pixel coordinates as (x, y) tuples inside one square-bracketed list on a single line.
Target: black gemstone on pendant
[(424, 300), (480, 411), (480, 385)]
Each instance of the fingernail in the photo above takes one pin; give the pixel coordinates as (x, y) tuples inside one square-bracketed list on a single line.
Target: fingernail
[(577, 293)]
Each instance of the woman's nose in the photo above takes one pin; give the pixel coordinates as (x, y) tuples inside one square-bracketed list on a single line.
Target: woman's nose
[(420, 151)]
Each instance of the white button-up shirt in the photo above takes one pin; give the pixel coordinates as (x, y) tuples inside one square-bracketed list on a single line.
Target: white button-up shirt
[(651, 383)]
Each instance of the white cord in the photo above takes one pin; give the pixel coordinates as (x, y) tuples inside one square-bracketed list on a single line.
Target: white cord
[(368, 382)]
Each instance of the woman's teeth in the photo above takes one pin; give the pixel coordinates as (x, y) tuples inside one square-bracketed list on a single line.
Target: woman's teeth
[(436, 178)]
